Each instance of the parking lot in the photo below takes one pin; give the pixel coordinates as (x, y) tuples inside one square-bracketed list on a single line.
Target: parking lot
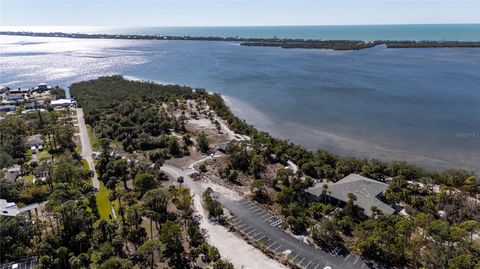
[(261, 226)]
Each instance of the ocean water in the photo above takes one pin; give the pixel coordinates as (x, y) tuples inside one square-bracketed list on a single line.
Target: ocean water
[(418, 105), (461, 32)]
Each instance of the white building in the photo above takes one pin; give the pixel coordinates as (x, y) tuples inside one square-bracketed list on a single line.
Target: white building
[(63, 103), (12, 210)]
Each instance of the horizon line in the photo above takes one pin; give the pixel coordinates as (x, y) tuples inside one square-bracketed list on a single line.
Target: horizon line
[(259, 25)]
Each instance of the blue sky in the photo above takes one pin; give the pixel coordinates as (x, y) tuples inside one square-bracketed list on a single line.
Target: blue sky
[(235, 12)]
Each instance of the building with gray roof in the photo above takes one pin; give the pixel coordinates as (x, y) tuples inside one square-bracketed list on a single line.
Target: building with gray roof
[(12, 210), (366, 190)]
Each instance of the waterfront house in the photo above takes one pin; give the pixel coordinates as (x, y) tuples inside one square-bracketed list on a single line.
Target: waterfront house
[(367, 191), (15, 99), (19, 91), (7, 108), (63, 103), (12, 210), (42, 87)]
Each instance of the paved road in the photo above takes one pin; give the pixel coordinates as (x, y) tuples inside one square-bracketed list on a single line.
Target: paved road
[(261, 226), (87, 147)]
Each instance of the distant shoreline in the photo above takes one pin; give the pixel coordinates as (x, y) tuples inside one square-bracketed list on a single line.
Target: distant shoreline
[(267, 42)]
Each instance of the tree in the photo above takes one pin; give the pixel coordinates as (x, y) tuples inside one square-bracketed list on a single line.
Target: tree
[(155, 202), (150, 252), (5, 160), (258, 189), (144, 182), (180, 181), (257, 165), (221, 264), (170, 236), (214, 207), (202, 168), (15, 238), (173, 147), (12, 136), (202, 142), (183, 202), (325, 234)]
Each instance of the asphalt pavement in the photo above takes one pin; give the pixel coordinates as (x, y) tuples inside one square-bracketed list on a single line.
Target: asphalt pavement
[(265, 228)]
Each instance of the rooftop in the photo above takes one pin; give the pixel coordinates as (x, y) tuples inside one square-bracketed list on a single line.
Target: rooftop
[(365, 189)]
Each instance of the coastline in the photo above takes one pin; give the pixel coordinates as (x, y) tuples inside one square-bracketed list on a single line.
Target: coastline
[(333, 44), (337, 144), (314, 139)]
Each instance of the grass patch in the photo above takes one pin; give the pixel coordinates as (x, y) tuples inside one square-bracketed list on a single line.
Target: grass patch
[(93, 139), (43, 155), (103, 204), (85, 165), (263, 241), (28, 178)]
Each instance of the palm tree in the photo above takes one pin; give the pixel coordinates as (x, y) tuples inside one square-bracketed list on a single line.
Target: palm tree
[(180, 180)]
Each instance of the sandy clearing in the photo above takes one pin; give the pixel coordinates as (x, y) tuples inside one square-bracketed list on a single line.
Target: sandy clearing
[(223, 190), (232, 248)]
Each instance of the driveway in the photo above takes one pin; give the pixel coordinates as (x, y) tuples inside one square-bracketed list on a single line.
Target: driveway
[(263, 227), (87, 147)]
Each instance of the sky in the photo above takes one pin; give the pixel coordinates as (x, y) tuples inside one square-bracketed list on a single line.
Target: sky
[(235, 12)]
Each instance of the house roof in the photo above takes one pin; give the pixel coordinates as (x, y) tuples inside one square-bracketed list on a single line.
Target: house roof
[(365, 189), (11, 209), (62, 102), (34, 140), (12, 173)]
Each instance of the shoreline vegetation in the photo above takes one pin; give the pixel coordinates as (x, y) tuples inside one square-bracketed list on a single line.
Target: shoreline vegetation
[(313, 163), (150, 121), (269, 42)]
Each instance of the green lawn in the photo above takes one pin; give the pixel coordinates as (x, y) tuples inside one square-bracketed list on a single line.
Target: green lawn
[(43, 155), (85, 165), (103, 203), (93, 139), (28, 178)]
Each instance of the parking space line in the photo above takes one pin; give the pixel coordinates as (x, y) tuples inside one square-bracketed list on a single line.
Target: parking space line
[(264, 215), (348, 256), (277, 248), (251, 232), (306, 266), (263, 236), (242, 224), (255, 235), (363, 265), (294, 257), (237, 222), (271, 245), (250, 206), (260, 214), (245, 230), (358, 257), (256, 210), (269, 218), (245, 202), (316, 266), (301, 261)]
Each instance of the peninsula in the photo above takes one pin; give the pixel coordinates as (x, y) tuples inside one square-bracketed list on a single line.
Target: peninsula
[(268, 42)]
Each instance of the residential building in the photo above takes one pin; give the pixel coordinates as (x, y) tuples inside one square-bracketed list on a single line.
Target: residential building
[(12, 210), (367, 192)]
